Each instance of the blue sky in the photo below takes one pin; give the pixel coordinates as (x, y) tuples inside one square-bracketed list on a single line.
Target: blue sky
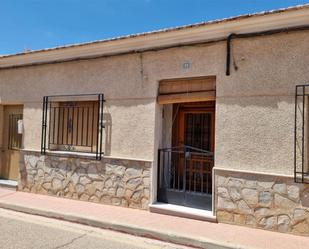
[(36, 24)]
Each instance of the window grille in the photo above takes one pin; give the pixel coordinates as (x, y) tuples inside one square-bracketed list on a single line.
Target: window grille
[(73, 123), (15, 136), (301, 134)]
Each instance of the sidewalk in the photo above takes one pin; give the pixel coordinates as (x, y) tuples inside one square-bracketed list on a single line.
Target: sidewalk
[(143, 223)]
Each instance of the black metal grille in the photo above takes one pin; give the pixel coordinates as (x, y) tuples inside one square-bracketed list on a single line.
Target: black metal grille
[(15, 139), (75, 125), (185, 176), (301, 134), (197, 130)]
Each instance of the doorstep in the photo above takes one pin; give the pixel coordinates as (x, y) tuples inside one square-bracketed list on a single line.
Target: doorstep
[(10, 184), (181, 211)]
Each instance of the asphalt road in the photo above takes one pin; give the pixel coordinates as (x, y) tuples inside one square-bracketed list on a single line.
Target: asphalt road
[(23, 231)]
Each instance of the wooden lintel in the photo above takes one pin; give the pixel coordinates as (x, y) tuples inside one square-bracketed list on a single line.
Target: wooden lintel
[(187, 97)]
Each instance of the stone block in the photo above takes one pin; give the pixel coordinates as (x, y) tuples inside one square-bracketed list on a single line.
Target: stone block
[(137, 195), (265, 198), (120, 192), (146, 181), (284, 203), (244, 208), (133, 172), (224, 216), (108, 183), (84, 197), (233, 182), (146, 173), (133, 183), (94, 198), (146, 192), (300, 214), (305, 198), (116, 201), (280, 188), (92, 170), (266, 184), (250, 220), (145, 203), (301, 228), (235, 194), (128, 193), (137, 205), (84, 180), (56, 184), (223, 192), (250, 184), (221, 181), (268, 222), (293, 192), (106, 199), (80, 189), (262, 212), (283, 223), (240, 219), (99, 185), (250, 196), (90, 189), (225, 204)]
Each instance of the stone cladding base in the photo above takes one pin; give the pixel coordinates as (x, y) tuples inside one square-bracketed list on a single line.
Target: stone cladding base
[(262, 201), (119, 182)]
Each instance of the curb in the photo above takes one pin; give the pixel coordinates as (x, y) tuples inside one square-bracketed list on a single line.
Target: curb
[(125, 228)]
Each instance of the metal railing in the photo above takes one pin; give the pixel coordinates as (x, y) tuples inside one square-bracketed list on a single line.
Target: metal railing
[(301, 134), (186, 169)]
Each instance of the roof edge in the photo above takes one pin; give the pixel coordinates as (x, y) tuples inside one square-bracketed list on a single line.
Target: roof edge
[(194, 33)]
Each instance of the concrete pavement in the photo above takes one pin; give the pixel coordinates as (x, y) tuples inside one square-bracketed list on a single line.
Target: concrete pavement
[(143, 223), (24, 231)]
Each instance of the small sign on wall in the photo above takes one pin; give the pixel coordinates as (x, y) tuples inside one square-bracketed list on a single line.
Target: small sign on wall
[(186, 65), (20, 126)]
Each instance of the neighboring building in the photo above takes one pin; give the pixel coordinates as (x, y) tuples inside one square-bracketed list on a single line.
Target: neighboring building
[(192, 116)]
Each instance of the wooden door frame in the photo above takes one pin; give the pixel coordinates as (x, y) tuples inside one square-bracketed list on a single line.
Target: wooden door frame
[(5, 150)]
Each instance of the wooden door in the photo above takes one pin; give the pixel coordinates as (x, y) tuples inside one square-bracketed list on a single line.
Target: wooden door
[(195, 125), (195, 129), (12, 138)]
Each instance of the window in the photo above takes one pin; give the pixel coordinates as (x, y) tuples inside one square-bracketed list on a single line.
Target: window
[(15, 131), (301, 134), (73, 123)]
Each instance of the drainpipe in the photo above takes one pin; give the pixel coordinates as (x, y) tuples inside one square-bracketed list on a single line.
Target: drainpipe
[(228, 53)]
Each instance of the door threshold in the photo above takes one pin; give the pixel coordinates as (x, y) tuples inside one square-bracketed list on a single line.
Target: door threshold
[(181, 211), (11, 184)]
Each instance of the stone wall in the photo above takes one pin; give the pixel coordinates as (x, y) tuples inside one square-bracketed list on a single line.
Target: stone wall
[(262, 201), (110, 181)]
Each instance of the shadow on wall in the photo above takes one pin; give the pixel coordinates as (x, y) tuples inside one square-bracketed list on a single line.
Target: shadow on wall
[(107, 122)]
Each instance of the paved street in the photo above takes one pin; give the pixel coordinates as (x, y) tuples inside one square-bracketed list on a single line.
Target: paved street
[(22, 231)]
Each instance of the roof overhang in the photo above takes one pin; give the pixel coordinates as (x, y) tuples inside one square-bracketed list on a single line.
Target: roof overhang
[(210, 31)]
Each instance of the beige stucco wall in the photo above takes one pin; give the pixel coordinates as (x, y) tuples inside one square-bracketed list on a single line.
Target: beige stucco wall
[(128, 110), (255, 105), (254, 108)]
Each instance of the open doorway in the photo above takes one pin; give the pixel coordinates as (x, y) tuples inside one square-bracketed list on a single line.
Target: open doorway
[(187, 157)]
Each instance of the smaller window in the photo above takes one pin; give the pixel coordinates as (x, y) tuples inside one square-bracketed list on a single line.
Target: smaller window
[(15, 131), (73, 125)]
